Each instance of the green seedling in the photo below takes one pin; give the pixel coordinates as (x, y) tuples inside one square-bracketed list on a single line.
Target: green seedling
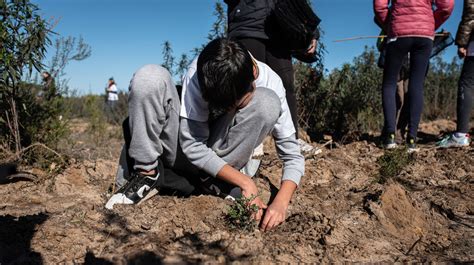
[(392, 163), (240, 214)]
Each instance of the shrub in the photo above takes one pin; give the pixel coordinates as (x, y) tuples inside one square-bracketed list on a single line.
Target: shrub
[(240, 214), (392, 163), (347, 100)]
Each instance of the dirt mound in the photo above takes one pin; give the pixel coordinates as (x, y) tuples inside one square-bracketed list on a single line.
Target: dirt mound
[(339, 214), (397, 214)]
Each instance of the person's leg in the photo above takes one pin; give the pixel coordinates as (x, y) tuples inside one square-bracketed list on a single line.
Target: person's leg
[(464, 107), (151, 138), (234, 136), (396, 51), (400, 97), (122, 172), (154, 120), (125, 161), (419, 59), (279, 59), (465, 95), (404, 115), (256, 47), (399, 103)]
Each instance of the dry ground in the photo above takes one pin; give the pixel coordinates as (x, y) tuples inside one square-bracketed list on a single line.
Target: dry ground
[(340, 213)]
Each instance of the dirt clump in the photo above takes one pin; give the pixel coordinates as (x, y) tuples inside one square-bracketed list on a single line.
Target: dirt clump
[(397, 214)]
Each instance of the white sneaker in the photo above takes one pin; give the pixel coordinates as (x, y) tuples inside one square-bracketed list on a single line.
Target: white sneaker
[(258, 151), (139, 189), (308, 149), (461, 140)]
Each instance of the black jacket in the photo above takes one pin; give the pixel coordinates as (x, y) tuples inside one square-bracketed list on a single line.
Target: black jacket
[(253, 19), (466, 27), (248, 18)]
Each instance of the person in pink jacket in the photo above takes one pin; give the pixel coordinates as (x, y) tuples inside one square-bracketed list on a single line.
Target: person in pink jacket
[(410, 26)]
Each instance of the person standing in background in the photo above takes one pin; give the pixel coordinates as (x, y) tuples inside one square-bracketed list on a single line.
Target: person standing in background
[(410, 26), (465, 43), (112, 94), (111, 100), (49, 86)]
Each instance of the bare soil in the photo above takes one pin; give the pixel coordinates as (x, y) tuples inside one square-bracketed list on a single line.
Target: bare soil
[(339, 214)]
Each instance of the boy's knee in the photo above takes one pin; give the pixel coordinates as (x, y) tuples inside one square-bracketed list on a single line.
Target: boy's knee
[(149, 79), (266, 105)]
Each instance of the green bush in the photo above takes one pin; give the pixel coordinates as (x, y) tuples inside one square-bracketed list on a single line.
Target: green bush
[(89, 105), (441, 88), (347, 101), (392, 163), (40, 120)]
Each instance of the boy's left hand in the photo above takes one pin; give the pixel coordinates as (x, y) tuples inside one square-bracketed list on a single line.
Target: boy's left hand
[(274, 216)]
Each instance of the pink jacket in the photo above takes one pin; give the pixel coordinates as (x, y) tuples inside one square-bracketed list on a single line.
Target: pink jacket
[(412, 17)]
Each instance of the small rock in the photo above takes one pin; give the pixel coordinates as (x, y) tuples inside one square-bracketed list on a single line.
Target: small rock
[(145, 227), (178, 232)]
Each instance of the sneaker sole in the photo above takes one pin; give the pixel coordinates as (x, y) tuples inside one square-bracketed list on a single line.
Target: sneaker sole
[(454, 146), (413, 150), (390, 146), (150, 194)]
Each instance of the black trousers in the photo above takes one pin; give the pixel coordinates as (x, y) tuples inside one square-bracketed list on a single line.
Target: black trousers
[(278, 58), (465, 95), (420, 50)]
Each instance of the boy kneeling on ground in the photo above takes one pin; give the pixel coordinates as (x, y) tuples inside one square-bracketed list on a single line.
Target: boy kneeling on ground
[(230, 103)]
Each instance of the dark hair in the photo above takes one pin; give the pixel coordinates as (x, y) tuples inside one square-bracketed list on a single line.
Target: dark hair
[(225, 72)]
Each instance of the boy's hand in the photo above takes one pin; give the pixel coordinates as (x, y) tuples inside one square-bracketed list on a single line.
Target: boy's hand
[(274, 216), (250, 190), (462, 52), (276, 212)]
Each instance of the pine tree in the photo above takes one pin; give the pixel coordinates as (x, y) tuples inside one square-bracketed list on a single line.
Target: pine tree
[(168, 58)]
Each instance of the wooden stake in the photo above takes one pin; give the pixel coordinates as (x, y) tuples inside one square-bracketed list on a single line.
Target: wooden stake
[(380, 37)]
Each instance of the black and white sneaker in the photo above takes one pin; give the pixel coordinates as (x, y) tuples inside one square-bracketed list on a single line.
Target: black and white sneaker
[(139, 189), (389, 141), (411, 145)]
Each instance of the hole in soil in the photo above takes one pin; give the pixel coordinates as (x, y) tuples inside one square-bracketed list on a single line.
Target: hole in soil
[(443, 211), (374, 197)]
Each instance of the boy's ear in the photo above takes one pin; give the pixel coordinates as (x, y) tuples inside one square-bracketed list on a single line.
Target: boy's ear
[(255, 69)]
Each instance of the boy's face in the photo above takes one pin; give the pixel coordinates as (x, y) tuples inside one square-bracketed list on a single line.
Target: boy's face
[(245, 100)]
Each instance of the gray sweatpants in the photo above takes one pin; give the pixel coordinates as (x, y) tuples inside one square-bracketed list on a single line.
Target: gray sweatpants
[(154, 125), (153, 108)]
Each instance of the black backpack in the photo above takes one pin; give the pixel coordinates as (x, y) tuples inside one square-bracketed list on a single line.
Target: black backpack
[(297, 22)]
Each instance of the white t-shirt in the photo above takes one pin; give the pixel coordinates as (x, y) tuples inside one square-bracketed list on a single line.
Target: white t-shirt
[(194, 107), (112, 93), (470, 49)]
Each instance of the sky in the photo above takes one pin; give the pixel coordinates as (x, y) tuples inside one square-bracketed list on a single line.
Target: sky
[(126, 34)]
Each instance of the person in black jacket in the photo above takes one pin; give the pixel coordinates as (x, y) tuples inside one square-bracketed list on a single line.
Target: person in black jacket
[(251, 22)]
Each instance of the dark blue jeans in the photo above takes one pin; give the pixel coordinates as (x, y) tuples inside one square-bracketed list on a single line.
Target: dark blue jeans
[(420, 50), (465, 95)]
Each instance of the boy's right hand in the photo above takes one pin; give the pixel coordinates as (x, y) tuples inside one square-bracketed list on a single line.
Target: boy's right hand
[(250, 190)]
